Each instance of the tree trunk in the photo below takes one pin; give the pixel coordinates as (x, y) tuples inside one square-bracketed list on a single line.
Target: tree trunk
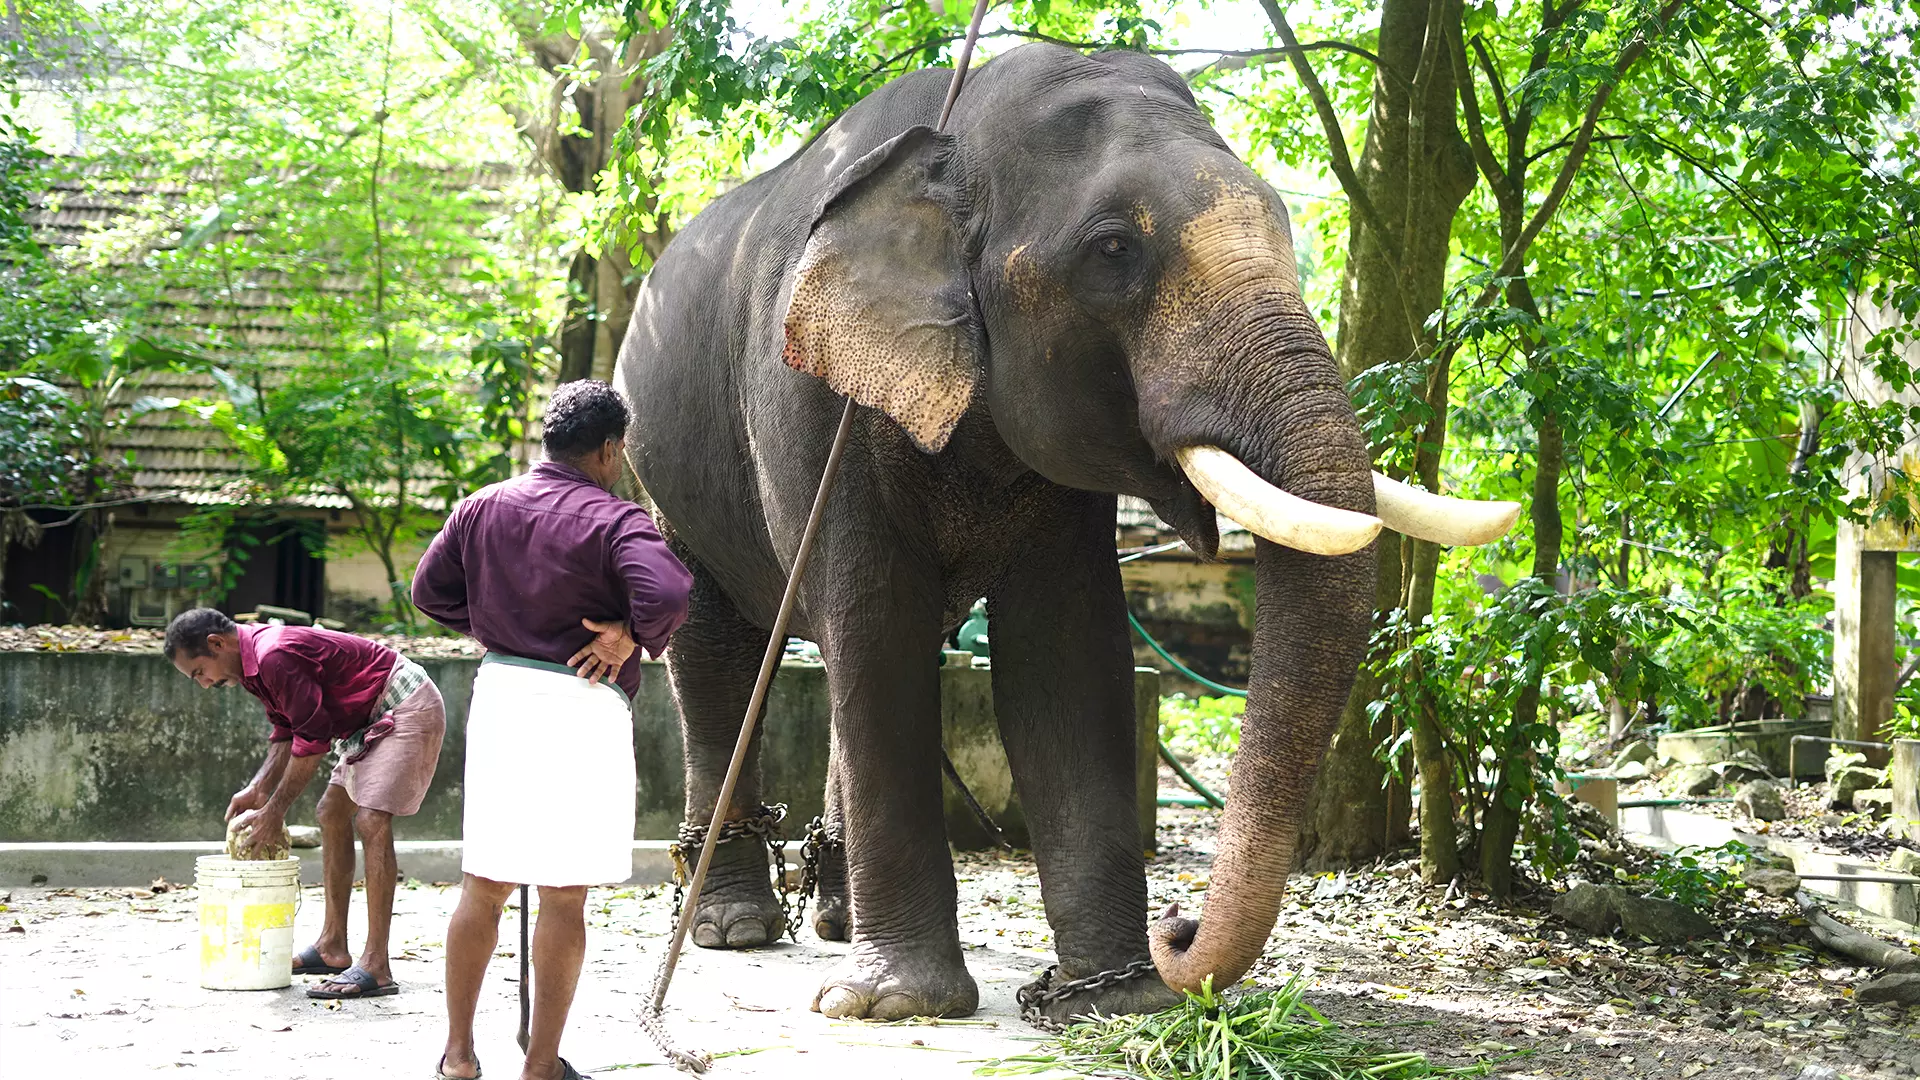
[(1439, 845), (577, 332), (1502, 826), (577, 149), (1348, 813)]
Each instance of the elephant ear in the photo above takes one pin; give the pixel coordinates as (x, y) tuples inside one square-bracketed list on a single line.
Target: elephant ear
[(881, 305)]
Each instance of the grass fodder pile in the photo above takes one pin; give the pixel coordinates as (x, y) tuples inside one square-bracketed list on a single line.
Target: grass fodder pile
[(1260, 1035)]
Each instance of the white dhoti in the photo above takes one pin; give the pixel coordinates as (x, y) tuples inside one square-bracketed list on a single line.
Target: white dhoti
[(549, 779)]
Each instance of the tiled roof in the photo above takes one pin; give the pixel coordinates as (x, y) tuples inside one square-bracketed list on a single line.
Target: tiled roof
[(118, 218)]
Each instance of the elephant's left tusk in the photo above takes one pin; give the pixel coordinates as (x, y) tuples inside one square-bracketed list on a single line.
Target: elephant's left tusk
[(1419, 513), (1269, 512)]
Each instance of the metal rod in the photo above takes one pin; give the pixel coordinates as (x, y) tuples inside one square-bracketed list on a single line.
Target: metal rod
[(776, 645), (1793, 751), (526, 1008), (1865, 880)]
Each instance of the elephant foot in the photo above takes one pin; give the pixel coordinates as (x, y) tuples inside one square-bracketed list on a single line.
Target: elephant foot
[(831, 920), (1143, 995), (873, 984), (737, 906)]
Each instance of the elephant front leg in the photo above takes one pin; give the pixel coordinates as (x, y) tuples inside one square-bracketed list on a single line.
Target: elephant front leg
[(1063, 694), (712, 664), (882, 668)]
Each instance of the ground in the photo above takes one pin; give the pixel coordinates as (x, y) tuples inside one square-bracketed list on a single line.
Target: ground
[(102, 982)]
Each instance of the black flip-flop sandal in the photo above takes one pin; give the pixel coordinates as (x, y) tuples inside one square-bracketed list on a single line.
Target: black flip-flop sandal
[(440, 1071), (309, 962), (568, 1072), (366, 986)]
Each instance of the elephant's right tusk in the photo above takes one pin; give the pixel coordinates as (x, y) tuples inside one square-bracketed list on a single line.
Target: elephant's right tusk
[(1424, 515), (1269, 512)]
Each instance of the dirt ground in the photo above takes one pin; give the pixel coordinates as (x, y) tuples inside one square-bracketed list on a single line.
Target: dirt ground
[(102, 982)]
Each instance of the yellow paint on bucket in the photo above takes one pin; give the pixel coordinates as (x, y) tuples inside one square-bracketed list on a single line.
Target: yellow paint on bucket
[(246, 922)]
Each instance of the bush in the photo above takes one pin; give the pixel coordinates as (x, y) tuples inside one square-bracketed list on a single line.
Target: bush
[(1201, 727)]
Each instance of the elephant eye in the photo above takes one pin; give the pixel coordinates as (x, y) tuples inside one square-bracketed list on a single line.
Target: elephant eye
[(1113, 247)]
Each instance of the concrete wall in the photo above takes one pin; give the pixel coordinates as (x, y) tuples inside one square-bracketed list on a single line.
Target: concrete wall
[(120, 747), (1201, 612)]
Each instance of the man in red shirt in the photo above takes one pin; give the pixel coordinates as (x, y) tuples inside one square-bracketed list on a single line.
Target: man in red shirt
[(325, 690)]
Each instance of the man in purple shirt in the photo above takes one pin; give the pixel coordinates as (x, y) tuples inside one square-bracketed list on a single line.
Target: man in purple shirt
[(324, 689), (567, 586)]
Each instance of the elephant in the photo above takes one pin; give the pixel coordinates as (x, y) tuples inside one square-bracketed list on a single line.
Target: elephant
[(1074, 291)]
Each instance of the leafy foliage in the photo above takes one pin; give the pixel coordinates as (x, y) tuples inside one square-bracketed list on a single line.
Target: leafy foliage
[(1700, 876), (1203, 726)]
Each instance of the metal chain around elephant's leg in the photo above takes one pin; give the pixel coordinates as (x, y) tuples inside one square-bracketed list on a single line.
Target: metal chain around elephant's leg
[(1034, 997)]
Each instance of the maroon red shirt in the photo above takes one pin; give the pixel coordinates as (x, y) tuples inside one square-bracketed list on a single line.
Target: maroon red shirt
[(521, 562), (318, 685)]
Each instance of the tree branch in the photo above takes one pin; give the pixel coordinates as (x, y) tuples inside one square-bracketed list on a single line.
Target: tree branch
[(1336, 140), (1511, 261), (1476, 131), (1493, 81), (1602, 137)]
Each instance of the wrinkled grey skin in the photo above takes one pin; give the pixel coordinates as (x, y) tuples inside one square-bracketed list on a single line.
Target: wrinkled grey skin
[(1083, 266)]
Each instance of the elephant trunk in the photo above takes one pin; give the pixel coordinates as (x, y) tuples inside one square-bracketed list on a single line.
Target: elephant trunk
[(1276, 403)]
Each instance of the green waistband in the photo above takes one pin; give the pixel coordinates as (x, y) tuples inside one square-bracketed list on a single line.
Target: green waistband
[(548, 665)]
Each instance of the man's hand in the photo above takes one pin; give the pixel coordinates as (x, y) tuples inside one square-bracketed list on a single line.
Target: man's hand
[(606, 654), (247, 798), (262, 829)]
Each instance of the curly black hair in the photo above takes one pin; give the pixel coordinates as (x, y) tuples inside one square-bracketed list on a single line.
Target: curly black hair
[(581, 418), (188, 631)]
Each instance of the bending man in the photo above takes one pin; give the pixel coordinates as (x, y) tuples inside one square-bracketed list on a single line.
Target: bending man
[(566, 585), (324, 689)]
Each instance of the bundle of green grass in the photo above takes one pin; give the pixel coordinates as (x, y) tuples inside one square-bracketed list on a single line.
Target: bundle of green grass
[(1262, 1035)]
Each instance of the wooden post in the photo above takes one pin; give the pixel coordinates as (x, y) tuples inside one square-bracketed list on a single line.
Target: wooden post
[(1866, 559), (1863, 629)]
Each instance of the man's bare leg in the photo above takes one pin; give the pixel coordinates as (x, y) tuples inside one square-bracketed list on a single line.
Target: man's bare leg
[(336, 812), (472, 934), (559, 948), (383, 869)]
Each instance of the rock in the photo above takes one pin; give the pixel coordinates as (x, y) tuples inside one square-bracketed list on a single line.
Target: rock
[(1772, 881), (1904, 860), (1744, 765), (1584, 818), (1848, 760), (304, 836), (1817, 1072), (1890, 989), (1829, 821), (1662, 922), (1693, 780), (1873, 802), (1589, 907), (1629, 771), (1853, 778), (1637, 750), (1760, 800)]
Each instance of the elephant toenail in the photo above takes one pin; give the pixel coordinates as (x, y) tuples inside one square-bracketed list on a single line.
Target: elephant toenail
[(838, 1002), (747, 932)]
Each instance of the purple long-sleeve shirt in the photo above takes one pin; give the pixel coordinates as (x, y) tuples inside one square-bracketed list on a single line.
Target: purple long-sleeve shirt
[(521, 562)]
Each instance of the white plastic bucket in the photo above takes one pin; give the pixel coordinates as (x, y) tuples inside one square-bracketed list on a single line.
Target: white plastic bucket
[(246, 922)]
